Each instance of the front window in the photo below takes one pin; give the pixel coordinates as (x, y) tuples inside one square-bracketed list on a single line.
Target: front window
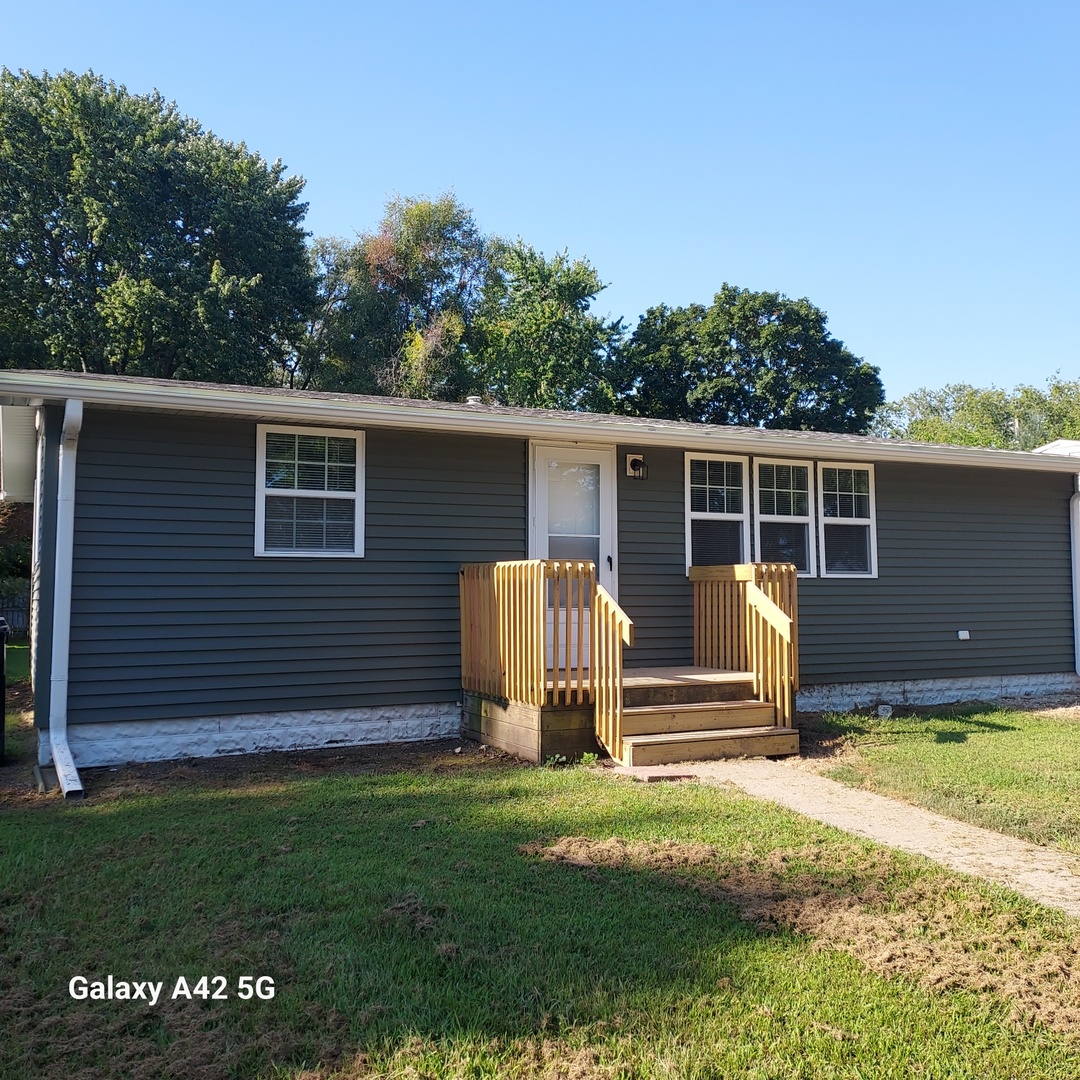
[(717, 510), (848, 541), (309, 492), (785, 501)]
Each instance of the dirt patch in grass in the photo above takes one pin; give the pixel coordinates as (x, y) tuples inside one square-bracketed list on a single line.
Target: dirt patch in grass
[(537, 1059), (256, 772), (938, 930), (172, 1039)]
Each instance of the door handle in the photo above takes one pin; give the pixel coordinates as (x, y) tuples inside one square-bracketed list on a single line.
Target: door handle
[(610, 564)]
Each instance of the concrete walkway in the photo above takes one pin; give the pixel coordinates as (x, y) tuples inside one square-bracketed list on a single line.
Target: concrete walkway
[(1049, 877)]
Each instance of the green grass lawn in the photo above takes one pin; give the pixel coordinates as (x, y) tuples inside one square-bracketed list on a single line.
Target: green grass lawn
[(1016, 772), (17, 661), (409, 934)]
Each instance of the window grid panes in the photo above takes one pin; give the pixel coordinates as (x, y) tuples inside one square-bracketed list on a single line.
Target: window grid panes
[(784, 490), (309, 493), (310, 462), (846, 524), (716, 487), (717, 505), (845, 493), (784, 514), (294, 524)]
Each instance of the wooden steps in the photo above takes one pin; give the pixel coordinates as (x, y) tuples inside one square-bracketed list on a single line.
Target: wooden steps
[(672, 747), (673, 715), (699, 716)]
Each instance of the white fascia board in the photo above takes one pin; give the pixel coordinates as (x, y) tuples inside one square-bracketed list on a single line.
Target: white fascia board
[(480, 420)]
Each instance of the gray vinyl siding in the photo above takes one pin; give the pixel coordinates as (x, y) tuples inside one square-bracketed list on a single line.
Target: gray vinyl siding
[(174, 616), (983, 550), (653, 587), (958, 549)]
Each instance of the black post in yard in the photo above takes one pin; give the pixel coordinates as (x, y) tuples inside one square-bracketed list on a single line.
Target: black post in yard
[(3, 683)]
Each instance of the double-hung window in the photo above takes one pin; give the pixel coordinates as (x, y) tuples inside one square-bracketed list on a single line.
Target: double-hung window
[(717, 510), (309, 492), (785, 509), (847, 532)]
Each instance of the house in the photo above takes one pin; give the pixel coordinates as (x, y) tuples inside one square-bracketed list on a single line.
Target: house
[(221, 569)]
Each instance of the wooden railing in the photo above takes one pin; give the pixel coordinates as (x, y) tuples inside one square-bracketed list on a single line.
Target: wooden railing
[(544, 630), (746, 619), (612, 628), (571, 590), (502, 630)]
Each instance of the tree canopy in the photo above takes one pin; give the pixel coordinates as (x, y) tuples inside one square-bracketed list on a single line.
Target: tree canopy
[(396, 306), (536, 342), (963, 415), (753, 358), (134, 242)]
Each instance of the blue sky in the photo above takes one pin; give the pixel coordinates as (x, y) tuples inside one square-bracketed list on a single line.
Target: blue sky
[(913, 168)]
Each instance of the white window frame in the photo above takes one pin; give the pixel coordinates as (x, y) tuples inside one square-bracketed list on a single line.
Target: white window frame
[(704, 515), (808, 520), (824, 522), (261, 492)]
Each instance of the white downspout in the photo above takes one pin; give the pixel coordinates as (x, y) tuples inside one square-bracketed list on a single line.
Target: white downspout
[(1074, 541), (63, 762)]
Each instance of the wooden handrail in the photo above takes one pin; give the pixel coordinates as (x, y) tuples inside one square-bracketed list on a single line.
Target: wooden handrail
[(540, 630), (769, 611), (746, 619), (612, 628)]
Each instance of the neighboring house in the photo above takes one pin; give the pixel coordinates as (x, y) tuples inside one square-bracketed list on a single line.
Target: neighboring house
[(221, 569)]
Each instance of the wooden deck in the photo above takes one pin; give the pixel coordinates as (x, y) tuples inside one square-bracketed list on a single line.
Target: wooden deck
[(737, 698)]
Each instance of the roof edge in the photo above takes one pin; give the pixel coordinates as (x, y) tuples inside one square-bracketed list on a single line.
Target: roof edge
[(257, 402)]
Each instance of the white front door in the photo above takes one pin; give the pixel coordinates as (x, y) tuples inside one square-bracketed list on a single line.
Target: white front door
[(573, 518), (574, 508)]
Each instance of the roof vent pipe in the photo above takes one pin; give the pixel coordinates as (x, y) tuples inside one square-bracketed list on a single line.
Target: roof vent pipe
[(474, 399), (63, 762)]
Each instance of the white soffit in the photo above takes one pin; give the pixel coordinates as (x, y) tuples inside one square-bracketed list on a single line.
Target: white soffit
[(18, 453)]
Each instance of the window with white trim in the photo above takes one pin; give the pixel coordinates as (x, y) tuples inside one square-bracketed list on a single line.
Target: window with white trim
[(717, 510), (846, 525), (309, 492), (785, 507)]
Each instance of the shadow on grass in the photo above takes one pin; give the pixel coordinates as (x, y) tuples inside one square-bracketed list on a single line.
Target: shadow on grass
[(944, 724), (384, 907)]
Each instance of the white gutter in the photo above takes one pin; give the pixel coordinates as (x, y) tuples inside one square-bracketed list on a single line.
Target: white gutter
[(63, 762), (493, 420), (1074, 540)]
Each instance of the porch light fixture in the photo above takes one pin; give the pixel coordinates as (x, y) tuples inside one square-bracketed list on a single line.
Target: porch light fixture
[(636, 467)]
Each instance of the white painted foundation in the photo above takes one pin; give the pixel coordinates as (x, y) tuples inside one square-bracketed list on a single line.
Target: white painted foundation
[(124, 741), (834, 697)]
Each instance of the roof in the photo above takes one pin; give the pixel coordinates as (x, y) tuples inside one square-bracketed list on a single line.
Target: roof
[(309, 406)]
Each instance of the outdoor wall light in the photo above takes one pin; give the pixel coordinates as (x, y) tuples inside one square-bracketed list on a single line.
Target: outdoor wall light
[(636, 467)]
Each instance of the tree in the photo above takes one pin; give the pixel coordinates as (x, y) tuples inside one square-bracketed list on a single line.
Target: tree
[(399, 302), (535, 342), (752, 358), (964, 415), (354, 328), (134, 242)]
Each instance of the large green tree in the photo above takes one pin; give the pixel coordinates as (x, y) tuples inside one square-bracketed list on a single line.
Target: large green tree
[(535, 343), (964, 415), (397, 306), (752, 358), (134, 242)]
